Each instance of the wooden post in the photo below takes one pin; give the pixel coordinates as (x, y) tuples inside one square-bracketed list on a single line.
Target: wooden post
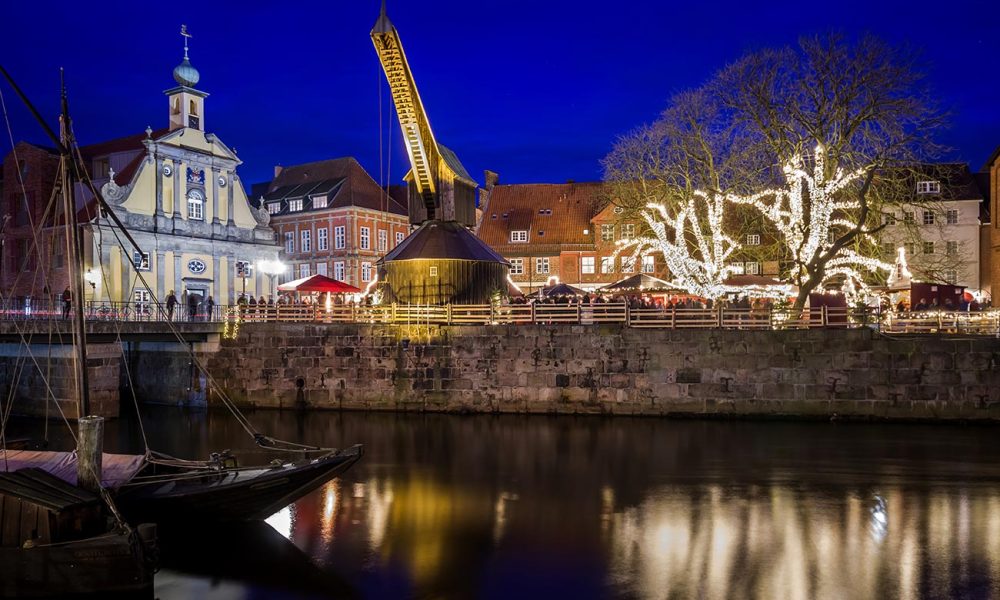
[(89, 452)]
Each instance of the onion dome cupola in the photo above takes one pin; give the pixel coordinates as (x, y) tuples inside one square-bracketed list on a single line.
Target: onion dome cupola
[(187, 105)]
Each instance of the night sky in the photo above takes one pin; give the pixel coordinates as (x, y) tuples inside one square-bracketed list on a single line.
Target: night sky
[(536, 90)]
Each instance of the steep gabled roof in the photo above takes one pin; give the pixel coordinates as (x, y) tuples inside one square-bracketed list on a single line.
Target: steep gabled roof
[(957, 181), (556, 216), (343, 178)]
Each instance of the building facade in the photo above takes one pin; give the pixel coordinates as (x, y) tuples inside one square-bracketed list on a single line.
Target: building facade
[(567, 231), (940, 227), (991, 186), (179, 196), (331, 218)]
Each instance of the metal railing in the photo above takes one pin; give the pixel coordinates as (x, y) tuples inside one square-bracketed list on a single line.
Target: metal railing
[(979, 323)]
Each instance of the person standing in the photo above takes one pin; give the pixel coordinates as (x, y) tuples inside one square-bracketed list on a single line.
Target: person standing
[(192, 306), (209, 308), (171, 304), (67, 300)]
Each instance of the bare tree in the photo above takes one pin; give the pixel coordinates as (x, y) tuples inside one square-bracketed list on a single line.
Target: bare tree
[(864, 103)]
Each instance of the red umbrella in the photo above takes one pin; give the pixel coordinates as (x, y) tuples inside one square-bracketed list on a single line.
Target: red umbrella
[(318, 283)]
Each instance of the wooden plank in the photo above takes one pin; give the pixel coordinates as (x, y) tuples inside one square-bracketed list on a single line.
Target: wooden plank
[(29, 522), (10, 533)]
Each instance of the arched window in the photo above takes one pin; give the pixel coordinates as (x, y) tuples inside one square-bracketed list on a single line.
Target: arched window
[(194, 108), (177, 106), (196, 205)]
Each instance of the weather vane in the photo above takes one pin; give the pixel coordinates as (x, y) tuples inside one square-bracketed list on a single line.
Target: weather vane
[(185, 35)]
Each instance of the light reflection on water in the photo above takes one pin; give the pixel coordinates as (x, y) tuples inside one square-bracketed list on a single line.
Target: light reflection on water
[(500, 507)]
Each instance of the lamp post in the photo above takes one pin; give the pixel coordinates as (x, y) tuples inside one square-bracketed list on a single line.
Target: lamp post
[(271, 268)]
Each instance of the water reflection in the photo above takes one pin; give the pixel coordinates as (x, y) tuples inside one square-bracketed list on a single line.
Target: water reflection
[(445, 506)]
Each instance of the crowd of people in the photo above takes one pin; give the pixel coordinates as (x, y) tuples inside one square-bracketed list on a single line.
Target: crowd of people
[(963, 305)]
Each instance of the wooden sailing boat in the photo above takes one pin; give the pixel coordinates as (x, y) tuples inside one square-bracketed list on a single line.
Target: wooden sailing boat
[(164, 488), (63, 536)]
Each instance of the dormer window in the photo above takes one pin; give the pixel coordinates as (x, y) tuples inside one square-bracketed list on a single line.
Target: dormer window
[(545, 212), (928, 187), (518, 236), (295, 205), (273, 208), (753, 239), (319, 202)]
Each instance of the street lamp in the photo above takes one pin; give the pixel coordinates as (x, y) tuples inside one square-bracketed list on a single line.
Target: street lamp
[(271, 268)]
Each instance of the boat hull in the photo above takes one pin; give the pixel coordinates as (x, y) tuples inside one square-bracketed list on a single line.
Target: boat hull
[(107, 565), (232, 494)]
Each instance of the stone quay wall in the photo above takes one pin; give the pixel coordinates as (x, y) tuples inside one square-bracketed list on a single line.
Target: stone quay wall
[(610, 370)]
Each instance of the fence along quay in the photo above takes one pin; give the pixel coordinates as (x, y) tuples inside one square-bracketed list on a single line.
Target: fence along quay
[(923, 322)]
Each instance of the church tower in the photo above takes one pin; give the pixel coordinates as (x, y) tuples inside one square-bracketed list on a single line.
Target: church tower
[(187, 105)]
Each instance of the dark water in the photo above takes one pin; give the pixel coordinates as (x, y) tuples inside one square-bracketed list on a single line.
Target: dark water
[(563, 507)]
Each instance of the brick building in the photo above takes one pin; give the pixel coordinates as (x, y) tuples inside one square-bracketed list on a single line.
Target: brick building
[(559, 230), (332, 218)]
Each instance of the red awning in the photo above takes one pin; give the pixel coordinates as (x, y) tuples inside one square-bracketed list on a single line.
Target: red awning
[(318, 283)]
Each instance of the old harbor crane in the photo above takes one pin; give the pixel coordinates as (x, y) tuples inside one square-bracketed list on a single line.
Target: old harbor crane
[(442, 261)]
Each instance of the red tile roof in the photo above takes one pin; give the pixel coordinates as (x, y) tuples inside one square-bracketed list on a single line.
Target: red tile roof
[(359, 188), (561, 212)]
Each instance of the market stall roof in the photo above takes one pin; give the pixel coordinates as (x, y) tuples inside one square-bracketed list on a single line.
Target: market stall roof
[(559, 289), (642, 282), (318, 283)]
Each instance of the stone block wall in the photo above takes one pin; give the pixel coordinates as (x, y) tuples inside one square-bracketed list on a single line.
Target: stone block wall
[(610, 369)]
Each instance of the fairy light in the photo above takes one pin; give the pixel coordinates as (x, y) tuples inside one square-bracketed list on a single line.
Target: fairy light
[(901, 272), (814, 194)]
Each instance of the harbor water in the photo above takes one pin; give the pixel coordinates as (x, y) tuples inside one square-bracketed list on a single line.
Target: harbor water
[(445, 506)]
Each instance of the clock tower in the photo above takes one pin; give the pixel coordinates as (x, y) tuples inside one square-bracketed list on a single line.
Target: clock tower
[(187, 105)]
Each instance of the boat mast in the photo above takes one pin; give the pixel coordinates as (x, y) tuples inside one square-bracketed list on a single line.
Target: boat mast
[(76, 251)]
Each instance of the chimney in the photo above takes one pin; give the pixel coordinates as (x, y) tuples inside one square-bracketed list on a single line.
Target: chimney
[(277, 170), (491, 179)]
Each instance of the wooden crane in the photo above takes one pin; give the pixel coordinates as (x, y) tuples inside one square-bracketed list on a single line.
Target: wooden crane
[(439, 186)]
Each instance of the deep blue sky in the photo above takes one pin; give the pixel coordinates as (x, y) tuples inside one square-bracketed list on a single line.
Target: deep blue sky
[(536, 90)]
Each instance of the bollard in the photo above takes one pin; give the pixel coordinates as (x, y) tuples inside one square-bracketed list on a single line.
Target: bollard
[(89, 452)]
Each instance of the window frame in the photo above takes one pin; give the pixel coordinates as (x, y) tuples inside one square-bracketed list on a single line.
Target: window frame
[(339, 270), (295, 205), (648, 264), (753, 239), (929, 187), (366, 272), (339, 237), (607, 232), (195, 205), (289, 242), (365, 238), (518, 236), (928, 217), (542, 260), (951, 216), (305, 240), (322, 239), (517, 266), (588, 265), (141, 263)]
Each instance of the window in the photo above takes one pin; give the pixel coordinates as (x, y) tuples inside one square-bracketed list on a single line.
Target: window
[(319, 202), (433, 272), (321, 269), (952, 216), (587, 265), (628, 231), (628, 264), (383, 240), (338, 237), (951, 248), (304, 270), (196, 205), (908, 216), (647, 264), (289, 242), (517, 266), (518, 236), (928, 187), (366, 242), (889, 219), (888, 249), (542, 265), (545, 212), (140, 260), (399, 237), (102, 169), (607, 264), (273, 208), (338, 271), (928, 217), (928, 247), (142, 299), (366, 271), (950, 275), (607, 232), (737, 268), (753, 239), (322, 243), (619, 210), (752, 268), (306, 245), (295, 205), (911, 248)]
